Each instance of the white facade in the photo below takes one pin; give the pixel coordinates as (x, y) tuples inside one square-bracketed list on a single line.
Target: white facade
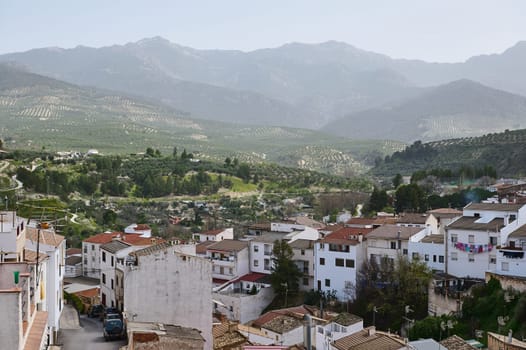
[(164, 286), (511, 257), (141, 229), (229, 259), (215, 235), (429, 249), (325, 334), (91, 253), (472, 239), (337, 265), (391, 241), (110, 252), (54, 246), (261, 255), (304, 258)]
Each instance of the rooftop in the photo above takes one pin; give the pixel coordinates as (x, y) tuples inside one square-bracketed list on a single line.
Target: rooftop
[(412, 218), (169, 330), (519, 233), (31, 256), (302, 244), (391, 232), (494, 206), (346, 235), (269, 237), (73, 251), (203, 246), (255, 277), (283, 323), (152, 249), (228, 245), (369, 338), (437, 239), (470, 223), (102, 238), (445, 212), (504, 338), (73, 260), (347, 319), (48, 236), (114, 246), (226, 336), (213, 232), (456, 343)]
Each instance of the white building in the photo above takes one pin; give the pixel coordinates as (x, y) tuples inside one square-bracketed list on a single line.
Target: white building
[(54, 246), (391, 241), (438, 219), (139, 229), (261, 252), (214, 235), (338, 257), (511, 260), (341, 326), (303, 250), (472, 239), (229, 259), (164, 286), (429, 249), (91, 253)]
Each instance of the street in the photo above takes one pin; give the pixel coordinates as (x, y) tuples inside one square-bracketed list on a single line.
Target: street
[(88, 337)]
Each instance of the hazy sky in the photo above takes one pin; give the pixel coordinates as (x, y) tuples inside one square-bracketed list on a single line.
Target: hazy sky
[(433, 30)]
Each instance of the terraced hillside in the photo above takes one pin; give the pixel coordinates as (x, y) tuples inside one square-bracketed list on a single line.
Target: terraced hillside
[(39, 112), (506, 152)]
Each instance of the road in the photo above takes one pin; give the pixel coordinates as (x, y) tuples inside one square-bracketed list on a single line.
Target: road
[(88, 337)]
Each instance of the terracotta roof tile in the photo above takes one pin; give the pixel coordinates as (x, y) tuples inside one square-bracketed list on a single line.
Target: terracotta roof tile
[(47, 236), (344, 235), (228, 245), (102, 238), (369, 338), (456, 343)]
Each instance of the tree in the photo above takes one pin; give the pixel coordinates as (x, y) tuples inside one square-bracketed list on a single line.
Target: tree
[(150, 152), (285, 274), (228, 162), (174, 152), (378, 200), (397, 180), (410, 197)]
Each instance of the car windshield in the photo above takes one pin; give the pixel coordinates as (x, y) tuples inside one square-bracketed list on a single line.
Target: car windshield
[(114, 322)]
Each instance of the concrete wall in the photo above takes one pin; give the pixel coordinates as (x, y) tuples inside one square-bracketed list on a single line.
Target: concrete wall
[(11, 320), (91, 260), (243, 307), (435, 253), (518, 284), (171, 288)]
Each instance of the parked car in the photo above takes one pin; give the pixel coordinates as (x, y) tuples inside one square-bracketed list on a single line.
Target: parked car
[(96, 310), (110, 311), (114, 329)]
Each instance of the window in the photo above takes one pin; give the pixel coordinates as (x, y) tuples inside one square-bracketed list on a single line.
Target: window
[(267, 264), (471, 257), (104, 278), (441, 259), (505, 266), (85, 261), (339, 262), (256, 248), (349, 263), (404, 252), (117, 281), (471, 239), (393, 245), (85, 249), (230, 271), (305, 281), (327, 282), (104, 256), (454, 256), (454, 238), (426, 257), (322, 261), (303, 252), (434, 258), (415, 256), (112, 262), (256, 263), (222, 270), (322, 246), (492, 259), (493, 240), (513, 217), (93, 247), (112, 287)]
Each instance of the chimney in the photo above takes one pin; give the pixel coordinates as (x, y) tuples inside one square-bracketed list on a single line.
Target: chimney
[(360, 237), (510, 336), (371, 331)]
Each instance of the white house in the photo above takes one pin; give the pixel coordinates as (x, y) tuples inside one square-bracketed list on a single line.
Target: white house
[(214, 235), (164, 286), (341, 326), (229, 259), (338, 257), (54, 246), (303, 250), (472, 239), (391, 241), (261, 252), (91, 253), (108, 280), (439, 218), (511, 260), (429, 249), (140, 229)]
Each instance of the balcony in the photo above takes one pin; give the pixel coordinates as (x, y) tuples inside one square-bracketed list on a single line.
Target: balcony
[(512, 254), (268, 252)]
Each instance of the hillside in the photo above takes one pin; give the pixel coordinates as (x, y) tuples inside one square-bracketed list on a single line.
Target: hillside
[(296, 84), (39, 112), (458, 109), (503, 151)]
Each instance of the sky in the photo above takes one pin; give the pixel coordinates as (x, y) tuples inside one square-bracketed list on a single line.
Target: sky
[(431, 30)]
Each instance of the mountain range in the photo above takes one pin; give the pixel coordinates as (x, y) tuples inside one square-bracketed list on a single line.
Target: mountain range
[(331, 86)]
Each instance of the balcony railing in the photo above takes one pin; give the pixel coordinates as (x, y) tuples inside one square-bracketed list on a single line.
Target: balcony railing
[(268, 252)]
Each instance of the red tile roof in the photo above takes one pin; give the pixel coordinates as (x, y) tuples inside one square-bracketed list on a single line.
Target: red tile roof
[(73, 251), (343, 235), (88, 293), (36, 332), (141, 227), (102, 238), (253, 277), (135, 239), (202, 247)]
